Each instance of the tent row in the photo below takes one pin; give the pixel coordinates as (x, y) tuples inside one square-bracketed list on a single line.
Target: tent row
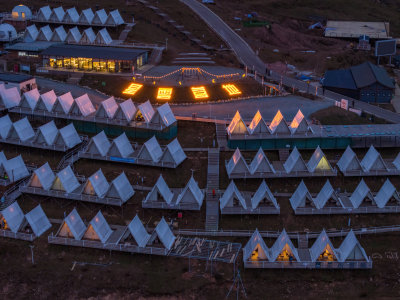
[(73, 36), (294, 166), (12, 170), (120, 149), (372, 164), (133, 238), (161, 196), (278, 125), (330, 201), (15, 224), (47, 136), (71, 16), (65, 184), (262, 201), (283, 253)]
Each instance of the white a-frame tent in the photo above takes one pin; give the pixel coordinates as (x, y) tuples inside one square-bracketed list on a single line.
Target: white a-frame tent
[(387, 193), (295, 162), (165, 234), (191, 193), (232, 196), (82, 106), (98, 229), (96, 185), (71, 15), (31, 34), (16, 168), (103, 37), (99, 144), (263, 195), (121, 147), (46, 134), (72, 226), (318, 162), (107, 108), (5, 126), (301, 197), (322, 249), (115, 18), (66, 181), (86, 16), (57, 14), (63, 103), (68, 137), (100, 17), (164, 115), (258, 125), (326, 195), (151, 150), (22, 130), (349, 161), (283, 249), (45, 34), (42, 177), (126, 111), (138, 232), (44, 13), (38, 221), (30, 99), (299, 123), (237, 125), (173, 153), (361, 193), (59, 34), (256, 249), (396, 162), (47, 101), (120, 188), (351, 250), (237, 164), (145, 112), (13, 217), (73, 36), (373, 161), (279, 125), (261, 164), (160, 191)]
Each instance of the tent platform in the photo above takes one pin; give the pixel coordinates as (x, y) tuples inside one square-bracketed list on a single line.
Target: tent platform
[(350, 265), (260, 210), (17, 236), (347, 210), (32, 144), (390, 171), (161, 204)]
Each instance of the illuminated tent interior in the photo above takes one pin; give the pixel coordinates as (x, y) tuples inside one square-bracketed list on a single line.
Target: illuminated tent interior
[(322, 249), (98, 229), (42, 178), (237, 125), (13, 218), (283, 249), (318, 162), (256, 249), (72, 226)]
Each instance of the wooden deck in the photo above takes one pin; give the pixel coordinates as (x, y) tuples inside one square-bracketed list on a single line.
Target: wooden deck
[(347, 210), (262, 209), (32, 144), (17, 236), (391, 171), (308, 265)]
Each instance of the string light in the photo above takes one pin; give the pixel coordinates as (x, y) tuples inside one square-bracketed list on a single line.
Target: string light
[(200, 70)]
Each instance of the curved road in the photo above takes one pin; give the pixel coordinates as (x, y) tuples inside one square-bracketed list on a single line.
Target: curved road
[(248, 57)]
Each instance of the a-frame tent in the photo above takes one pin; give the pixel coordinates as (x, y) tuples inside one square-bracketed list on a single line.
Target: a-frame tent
[(396, 161), (66, 181), (96, 185), (301, 197), (73, 36), (145, 112), (191, 193), (349, 161), (323, 249), (82, 106), (57, 14), (237, 125), (99, 144), (63, 104), (295, 162), (30, 99), (299, 124), (71, 16), (165, 234), (107, 108), (14, 217), (258, 125), (318, 162), (16, 168), (327, 194), (386, 193), (22, 130), (42, 177), (360, 194), (72, 226), (115, 18), (45, 34), (151, 150), (100, 17), (373, 161), (3, 160), (351, 249), (98, 229), (261, 164), (68, 137), (46, 101), (44, 13), (121, 147), (10, 97), (160, 190), (31, 34), (103, 37), (173, 153), (86, 16), (5, 126), (38, 221), (263, 195), (163, 116), (283, 249), (256, 249), (59, 35), (279, 125), (237, 164), (230, 195), (126, 111), (120, 188), (46, 134), (138, 232)]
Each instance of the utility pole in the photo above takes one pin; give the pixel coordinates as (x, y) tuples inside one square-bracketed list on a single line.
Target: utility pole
[(32, 246)]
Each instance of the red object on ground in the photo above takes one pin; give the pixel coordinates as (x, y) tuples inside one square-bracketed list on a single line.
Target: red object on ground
[(180, 215)]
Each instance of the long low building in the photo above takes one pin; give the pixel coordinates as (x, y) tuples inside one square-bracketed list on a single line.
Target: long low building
[(94, 58)]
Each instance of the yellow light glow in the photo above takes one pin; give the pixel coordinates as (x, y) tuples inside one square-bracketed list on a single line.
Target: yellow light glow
[(231, 89), (132, 89), (199, 92), (164, 93)]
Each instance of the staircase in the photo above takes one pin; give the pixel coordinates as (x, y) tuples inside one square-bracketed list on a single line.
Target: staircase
[(302, 249), (12, 193), (72, 156), (212, 202), (221, 135)]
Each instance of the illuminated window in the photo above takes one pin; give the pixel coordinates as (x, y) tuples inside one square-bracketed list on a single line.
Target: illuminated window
[(132, 89), (199, 92), (231, 89), (164, 93), (15, 14)]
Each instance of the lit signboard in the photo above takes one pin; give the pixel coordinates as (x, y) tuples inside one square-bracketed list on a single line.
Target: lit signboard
[(199, 92), (132, 89), (164, 93), (231, 89)]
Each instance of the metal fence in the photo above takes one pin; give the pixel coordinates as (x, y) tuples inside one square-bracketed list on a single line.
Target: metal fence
[(18, 235)]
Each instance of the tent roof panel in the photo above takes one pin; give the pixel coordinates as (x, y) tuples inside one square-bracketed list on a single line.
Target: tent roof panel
[(68, 179), (5, 126), (75, 224), (46, 176), (70, 136), (138, 232), (38, 220), (101, 227), (14, 216), (232, 191), (32, 98), (24, 129), (85, 105), (165, 234)]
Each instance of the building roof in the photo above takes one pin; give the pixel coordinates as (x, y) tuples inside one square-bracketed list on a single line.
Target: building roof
[(45, 175), (339, 79), (138, 232), (121, 188), (47, 133), (230, 193), (23, 130), (260, 163), (253, 243), (68, 179), (93, 52), (263, 192), (165, 234), (5, 126), (191, 193), (355, 29), (101, 227), (173, 153), (121, 147), (14, 216), (96, 183), (162, 188), (75, 224), (38, 221), (99, 144), (237, 163)]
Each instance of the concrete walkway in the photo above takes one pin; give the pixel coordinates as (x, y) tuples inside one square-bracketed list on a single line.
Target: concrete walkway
[(396, 99)]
